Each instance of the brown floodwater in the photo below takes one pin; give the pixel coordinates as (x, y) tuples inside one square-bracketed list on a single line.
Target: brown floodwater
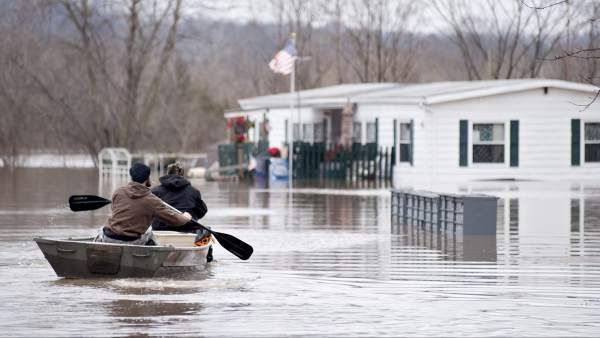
[(327, 261)]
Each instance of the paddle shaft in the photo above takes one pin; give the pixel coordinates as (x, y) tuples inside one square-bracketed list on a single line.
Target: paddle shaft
[(180, 212), (230, 243)]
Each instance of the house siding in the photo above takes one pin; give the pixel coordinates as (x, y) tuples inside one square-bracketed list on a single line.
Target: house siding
[(277, 122), (544, 123), (387, 114), (544, 136)]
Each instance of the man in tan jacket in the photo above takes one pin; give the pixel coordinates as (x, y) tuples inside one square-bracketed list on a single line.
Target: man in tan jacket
[(133, 208)]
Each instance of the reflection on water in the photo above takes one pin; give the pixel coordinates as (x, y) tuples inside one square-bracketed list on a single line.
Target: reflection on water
[(326, 262), (449, 246)]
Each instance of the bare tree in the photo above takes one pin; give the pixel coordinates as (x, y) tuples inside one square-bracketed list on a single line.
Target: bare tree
[(124, 68), (380, 43), (501, 39), (21, 117)]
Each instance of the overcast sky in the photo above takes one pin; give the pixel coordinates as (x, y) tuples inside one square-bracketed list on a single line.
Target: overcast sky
[(243, 11)]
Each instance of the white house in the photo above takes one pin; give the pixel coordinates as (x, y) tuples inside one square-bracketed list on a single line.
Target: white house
[(463, 130)]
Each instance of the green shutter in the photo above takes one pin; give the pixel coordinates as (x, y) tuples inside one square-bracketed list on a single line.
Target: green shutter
[(412, 141), (395, 148), (575, 141), (395, 133), (463, 145), (514, 143), (376, 132)]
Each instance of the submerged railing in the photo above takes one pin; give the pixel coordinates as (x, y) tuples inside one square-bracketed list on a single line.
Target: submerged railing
[(466, 214)]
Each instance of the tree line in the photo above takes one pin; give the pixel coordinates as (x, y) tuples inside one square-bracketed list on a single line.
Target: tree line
[(80, 75)]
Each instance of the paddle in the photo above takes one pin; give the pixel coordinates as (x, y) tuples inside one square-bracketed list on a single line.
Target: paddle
[(232, 244)]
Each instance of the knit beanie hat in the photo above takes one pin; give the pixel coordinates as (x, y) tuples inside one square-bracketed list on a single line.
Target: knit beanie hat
[(139, 172)]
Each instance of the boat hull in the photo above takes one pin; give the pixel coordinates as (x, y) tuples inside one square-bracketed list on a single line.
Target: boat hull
[(83, 258)]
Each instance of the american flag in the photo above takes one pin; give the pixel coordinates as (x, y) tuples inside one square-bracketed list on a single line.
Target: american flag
[(283, 62)]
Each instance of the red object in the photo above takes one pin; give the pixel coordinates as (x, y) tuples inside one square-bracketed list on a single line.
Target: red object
[(274, 152), (237, 121), (240, 138)]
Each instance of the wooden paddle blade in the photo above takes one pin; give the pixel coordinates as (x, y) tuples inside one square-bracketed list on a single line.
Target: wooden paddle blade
[(234, 245), (86, 202)]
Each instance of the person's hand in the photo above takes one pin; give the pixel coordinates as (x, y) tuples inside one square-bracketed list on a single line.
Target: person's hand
[(187, 216)]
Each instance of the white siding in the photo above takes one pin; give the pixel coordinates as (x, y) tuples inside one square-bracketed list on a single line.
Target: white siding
[(277, 118), (544, 140), (402, 114), (386, 115)]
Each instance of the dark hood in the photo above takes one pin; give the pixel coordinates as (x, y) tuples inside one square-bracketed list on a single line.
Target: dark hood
[(136, 190), (174, 182)]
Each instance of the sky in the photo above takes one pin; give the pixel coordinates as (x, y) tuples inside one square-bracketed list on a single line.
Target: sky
[(243, 11)]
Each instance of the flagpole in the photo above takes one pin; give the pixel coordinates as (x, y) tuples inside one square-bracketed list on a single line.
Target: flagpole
[(291, 119)]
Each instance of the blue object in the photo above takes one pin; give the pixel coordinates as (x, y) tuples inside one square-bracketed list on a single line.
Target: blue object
[(278, 169)]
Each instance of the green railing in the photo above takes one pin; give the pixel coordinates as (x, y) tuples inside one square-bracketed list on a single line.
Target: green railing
[(235, 157), (331, 161)]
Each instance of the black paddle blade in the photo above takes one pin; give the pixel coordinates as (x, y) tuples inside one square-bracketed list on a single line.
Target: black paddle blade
[(234, 245), (86, 202)]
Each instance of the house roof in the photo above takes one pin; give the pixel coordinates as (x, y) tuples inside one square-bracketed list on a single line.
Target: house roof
[(442, 92), (325, 94), (396, 93)]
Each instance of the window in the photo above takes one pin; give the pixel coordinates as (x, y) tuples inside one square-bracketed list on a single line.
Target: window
[(307, 132), (488, 143), (296, 132), (405, 142), (319, 131), (592, 142), (371, 132), (357, 132)]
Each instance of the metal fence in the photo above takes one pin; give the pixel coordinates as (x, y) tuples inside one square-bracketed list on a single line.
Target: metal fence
[(333, 161), (468, 214)]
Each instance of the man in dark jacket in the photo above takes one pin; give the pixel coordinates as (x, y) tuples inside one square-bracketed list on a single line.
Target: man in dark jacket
[(179, 193), (133, 208)]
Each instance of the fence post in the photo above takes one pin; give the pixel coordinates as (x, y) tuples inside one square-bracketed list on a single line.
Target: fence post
[(315, 171), (329, 159), (313, 150), (376, 163), (385, 169), (306, 160), (381, 165)]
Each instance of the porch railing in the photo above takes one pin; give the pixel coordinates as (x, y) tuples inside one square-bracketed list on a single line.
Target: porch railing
[(333, 161)]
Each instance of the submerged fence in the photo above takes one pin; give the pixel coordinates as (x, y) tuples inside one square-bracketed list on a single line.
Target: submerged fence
[(331, 161), (467, 214), (357, 162)]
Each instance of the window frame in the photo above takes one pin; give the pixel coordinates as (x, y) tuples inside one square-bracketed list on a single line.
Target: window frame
[(358, 139), (583, 142), (506, 142), (409, 141), (366, 138), (308, 130), (296, 132), (318, 137)]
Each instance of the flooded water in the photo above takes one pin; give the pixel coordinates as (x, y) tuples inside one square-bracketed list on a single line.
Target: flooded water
[(326, 262)]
